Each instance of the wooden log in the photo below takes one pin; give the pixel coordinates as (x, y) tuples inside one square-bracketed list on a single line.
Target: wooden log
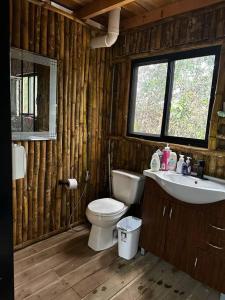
[(19, 196), (48, 186), (31, 27), (44, 32), (14, 199), (35, 188), (41, 188), (65, 120), (24, 25), (73, 112), (60, 55), (77, 124), (69, 104), (16, 23), (81, 122), (30, 177), (10, 20), (49, 146), (37, 28)]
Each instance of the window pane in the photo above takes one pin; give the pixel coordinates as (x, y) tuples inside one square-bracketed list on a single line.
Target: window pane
[(25, 94), (190, 97), (150, 94)]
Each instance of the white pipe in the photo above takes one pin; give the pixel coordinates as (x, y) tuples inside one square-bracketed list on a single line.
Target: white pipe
[(113, 31)]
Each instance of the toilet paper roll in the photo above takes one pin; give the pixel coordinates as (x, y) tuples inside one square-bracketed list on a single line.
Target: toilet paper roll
[(71, 184)]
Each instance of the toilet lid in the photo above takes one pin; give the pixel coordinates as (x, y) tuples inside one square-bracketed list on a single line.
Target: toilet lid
[(106, 206)]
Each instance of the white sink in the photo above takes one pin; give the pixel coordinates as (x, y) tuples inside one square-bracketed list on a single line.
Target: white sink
[(188, 188)]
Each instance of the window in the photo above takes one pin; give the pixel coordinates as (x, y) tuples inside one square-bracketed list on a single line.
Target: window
[(171, 96)]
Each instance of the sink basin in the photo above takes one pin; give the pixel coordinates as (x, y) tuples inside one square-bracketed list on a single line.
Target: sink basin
[(188, 188)]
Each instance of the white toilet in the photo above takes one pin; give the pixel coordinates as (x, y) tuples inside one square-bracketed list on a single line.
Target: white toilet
[(104, 213)]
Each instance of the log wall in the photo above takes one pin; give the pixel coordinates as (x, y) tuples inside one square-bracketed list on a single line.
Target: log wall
[(193, 30), (40, 206)]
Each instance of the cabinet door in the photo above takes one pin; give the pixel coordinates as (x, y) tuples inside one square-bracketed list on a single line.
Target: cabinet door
[(183, 224), (208, 268), (176, 239), (154, 217)]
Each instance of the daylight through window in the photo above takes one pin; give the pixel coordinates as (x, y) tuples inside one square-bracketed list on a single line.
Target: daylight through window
[(171, 96)]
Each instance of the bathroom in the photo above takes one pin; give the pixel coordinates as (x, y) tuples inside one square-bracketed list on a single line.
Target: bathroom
[(91, 137)]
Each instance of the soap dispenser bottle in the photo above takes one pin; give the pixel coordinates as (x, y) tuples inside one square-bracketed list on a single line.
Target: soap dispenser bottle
[(165, 158), (184, 168), (155, 162), (188, 162), (172, 161), (180, 164)]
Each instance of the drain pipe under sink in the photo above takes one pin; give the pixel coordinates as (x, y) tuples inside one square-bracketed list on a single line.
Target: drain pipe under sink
[(110, 38)]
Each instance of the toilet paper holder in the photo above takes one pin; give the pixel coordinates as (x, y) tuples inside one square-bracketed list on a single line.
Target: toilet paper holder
[(63, 182), (70, 183)]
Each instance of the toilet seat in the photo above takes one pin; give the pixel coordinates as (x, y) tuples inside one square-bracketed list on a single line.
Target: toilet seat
[(106, 207)]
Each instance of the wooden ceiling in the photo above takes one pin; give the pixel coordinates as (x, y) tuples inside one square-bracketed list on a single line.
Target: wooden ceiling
[(133, 12)]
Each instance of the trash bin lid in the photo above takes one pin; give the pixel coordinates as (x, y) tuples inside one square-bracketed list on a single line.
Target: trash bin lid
[(106, 206), (129, 223)]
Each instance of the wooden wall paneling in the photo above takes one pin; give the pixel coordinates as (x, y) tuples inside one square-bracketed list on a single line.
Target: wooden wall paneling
[(41, 207), (178, 33)]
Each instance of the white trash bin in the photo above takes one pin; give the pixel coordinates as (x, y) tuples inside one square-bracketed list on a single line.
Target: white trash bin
[(128, 236)]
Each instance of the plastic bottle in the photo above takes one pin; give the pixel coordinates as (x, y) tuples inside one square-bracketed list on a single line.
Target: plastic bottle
[(180, 164), (172, 161), (184, 168), (165, 158), (188, 162), (159, 152), (155, 162)]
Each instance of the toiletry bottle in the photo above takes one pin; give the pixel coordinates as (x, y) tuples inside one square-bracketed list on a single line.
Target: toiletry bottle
[(172, 161), (188, 162), (180, 164), (159, 152), (165, 158), (155, 162), (184, 168)]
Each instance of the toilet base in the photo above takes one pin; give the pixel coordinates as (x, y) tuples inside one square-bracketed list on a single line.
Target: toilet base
[(102, 238)]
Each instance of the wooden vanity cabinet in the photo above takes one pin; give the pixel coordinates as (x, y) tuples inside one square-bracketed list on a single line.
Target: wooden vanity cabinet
[(154, 212), (189, 236)]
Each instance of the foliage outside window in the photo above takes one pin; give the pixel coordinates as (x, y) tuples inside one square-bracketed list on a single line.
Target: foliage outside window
[(171, 96)]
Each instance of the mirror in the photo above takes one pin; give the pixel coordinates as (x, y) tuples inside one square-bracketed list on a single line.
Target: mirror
[(33, 96)]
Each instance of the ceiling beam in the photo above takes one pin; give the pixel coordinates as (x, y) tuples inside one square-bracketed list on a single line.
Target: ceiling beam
[(99, 7), (52, 6), (169, 10)]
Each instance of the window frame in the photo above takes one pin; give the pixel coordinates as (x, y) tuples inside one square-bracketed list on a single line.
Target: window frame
[(171, 59)]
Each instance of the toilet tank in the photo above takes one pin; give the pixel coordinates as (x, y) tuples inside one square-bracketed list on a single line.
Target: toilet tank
[(127, 186)]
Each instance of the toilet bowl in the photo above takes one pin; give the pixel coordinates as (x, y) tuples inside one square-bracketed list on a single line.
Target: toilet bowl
[(105, 213)]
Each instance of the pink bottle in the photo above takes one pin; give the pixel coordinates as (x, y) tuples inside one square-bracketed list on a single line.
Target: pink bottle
[(165, 158)]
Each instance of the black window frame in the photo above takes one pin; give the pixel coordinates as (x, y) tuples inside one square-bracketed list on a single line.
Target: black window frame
[(171, 59)]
